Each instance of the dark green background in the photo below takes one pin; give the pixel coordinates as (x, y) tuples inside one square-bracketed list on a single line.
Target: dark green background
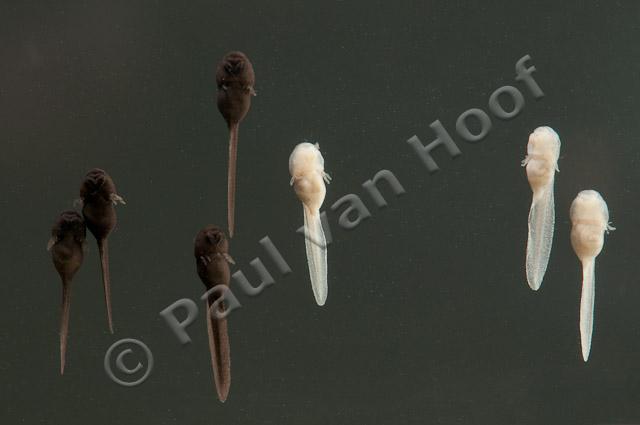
[(429, 318)]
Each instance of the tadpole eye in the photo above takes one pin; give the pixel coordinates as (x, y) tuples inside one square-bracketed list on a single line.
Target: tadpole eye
[(234, 66), (214, 237), (95, 179)]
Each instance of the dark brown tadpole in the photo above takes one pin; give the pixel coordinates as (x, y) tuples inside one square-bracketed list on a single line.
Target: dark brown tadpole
[(66, 245), (212, 260), (98, 197), (235, 80)]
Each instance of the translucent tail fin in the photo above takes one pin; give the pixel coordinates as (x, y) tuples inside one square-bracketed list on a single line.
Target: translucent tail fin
[(541, 223), (586, 306), (316, 246)]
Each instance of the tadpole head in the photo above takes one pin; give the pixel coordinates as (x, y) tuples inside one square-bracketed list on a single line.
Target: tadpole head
[(235, 67), (97, 182), (234, 63), (70, 223), (211, 240), (66, 244)]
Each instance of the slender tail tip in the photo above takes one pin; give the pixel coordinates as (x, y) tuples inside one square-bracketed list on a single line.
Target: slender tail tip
[(63, 359), (585, 353), (223, 393), (534, 283)]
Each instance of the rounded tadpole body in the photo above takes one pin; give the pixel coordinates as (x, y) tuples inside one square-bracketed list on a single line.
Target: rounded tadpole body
[(306, 166), (98, 197), (590, 221), (235, 80), (211, 250), (67, 251), (541, 162)]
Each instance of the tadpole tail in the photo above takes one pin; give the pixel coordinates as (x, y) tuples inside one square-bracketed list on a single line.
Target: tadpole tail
[(316, 246), (220, 353), (586, 306), (541, 224), (103, 248), (231, 178), (64, 323)]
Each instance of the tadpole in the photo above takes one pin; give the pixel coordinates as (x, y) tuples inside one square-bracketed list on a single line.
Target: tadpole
[(541, 162), (306, 166), (98, 197), (211, 250), (590, 221), (67, 251), (235, 80)]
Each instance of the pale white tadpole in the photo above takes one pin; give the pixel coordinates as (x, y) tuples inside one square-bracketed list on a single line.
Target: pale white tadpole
[(589, 220), (306, 166), (541, 162)]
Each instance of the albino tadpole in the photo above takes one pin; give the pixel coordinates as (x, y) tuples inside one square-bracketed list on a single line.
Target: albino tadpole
[(306, 166), (589, 220), (541, 164)]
